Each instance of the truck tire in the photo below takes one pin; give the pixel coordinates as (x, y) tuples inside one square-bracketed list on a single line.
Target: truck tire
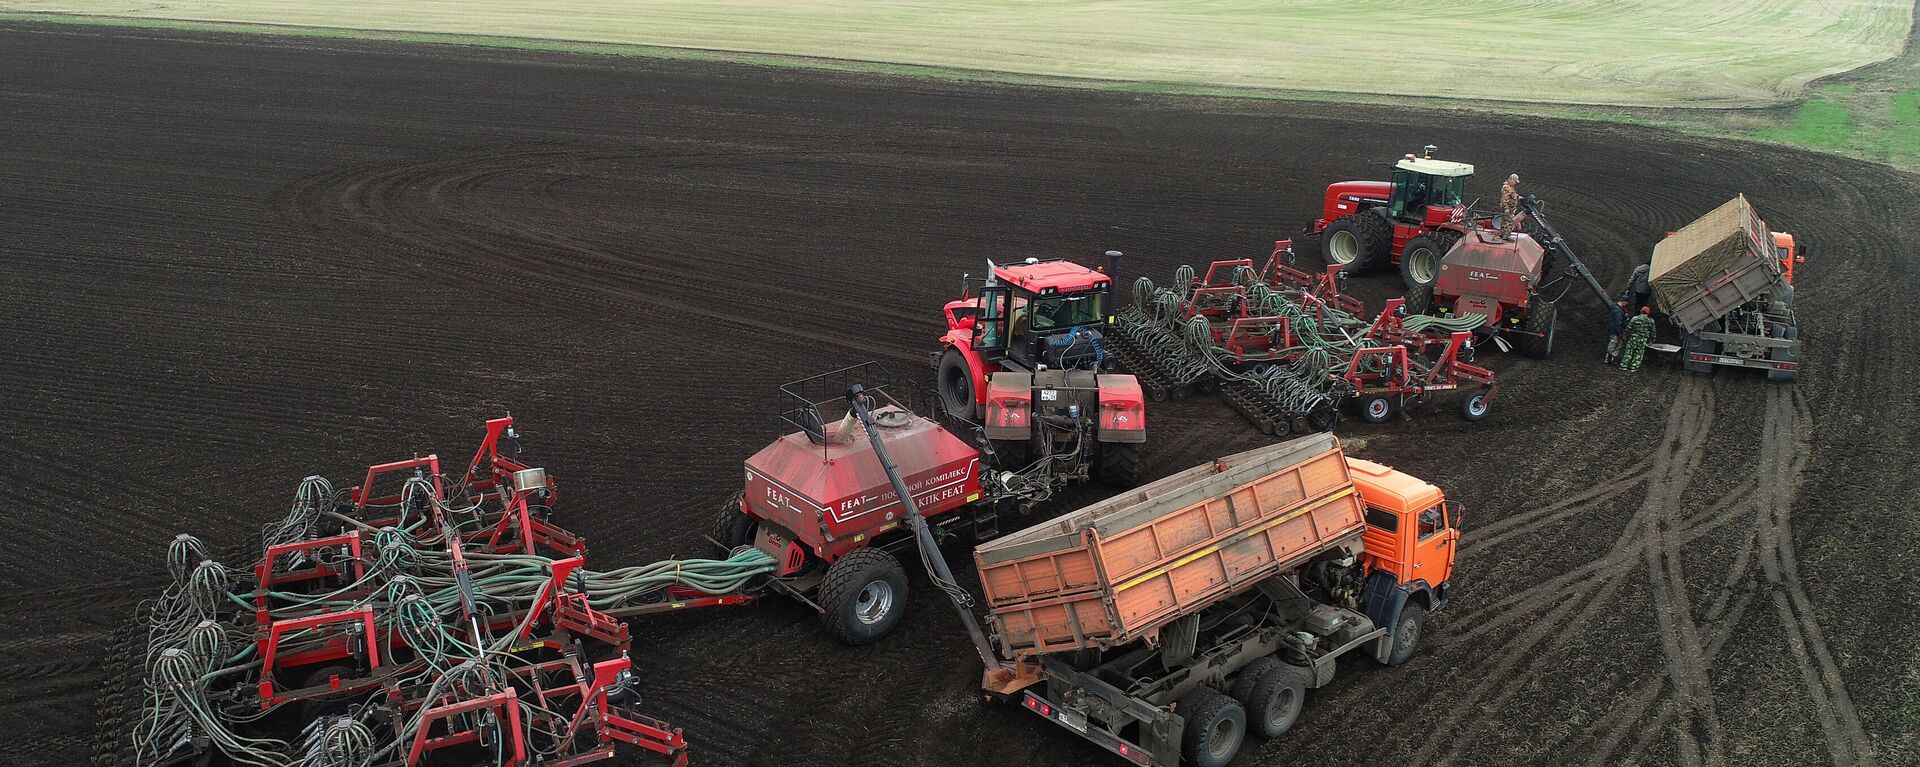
[(863, 596), (956, 387), (1249, 678), (1420, 260), (1406, 633), (1419, 299), (1475, 407), (1785, 355), (1278, 697), (1356, 241), (1216, 726), (1375, 409), (1536, 339), (1120, 464)]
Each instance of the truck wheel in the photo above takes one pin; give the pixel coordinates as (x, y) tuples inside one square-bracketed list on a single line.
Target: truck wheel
[(1419, 299), (863, 596), (1476, 406), (1249, 678), (956, 387), (1120, 464), (1375, 409), (1536, 330), (1216, 726), (1785, 355), (1278, 698), (734, 528), (1406, 635), (1355, 242), (1420, 260)]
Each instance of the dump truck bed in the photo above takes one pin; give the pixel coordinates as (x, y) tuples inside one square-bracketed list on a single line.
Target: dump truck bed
[(1714, 265), (1118, 570)]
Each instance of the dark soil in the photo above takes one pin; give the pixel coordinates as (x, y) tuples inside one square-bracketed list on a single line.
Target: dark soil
[(229, 262)]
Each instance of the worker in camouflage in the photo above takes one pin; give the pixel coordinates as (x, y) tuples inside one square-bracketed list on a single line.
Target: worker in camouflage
[(1510, 206), (1639, 332)]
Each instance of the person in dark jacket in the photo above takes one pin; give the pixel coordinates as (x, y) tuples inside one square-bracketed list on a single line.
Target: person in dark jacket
[(1616, 330), (1639, 288)]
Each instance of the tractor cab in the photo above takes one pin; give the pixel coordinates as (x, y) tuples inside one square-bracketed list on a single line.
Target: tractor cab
[(1426, 191), (1041, 313)]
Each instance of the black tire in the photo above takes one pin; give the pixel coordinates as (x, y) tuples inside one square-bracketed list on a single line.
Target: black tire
[(1536, 330), (863, 596), (1475, 407), (1690, 345), (1216, 726), (335, 704), (1278, 697), (956, 387), (1785, 355), (1420, 259), (1249, 678), (734, 528), (1419, 299), (1356, 241), (1375, 409), (1406, 633), (1120, 464)]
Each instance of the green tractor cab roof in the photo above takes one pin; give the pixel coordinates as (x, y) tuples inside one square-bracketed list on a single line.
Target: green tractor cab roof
[(1433, 167)]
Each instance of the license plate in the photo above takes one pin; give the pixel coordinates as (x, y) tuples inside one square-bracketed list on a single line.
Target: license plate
[(1049, 395), (1071, 718)]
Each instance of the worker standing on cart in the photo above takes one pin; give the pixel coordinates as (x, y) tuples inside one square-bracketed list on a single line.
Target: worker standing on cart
[(1639, 332), (1510, 205)]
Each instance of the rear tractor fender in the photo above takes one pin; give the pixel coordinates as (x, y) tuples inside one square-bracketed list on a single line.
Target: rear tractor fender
[(1123, 409)]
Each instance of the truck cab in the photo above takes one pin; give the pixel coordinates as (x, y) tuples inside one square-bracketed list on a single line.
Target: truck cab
[(1412, 532)]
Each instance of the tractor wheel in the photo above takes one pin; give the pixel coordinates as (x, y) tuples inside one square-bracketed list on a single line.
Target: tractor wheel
[(1278, 697), (863, 596), (956, 387), (734, 528), (1785, 355), (1356, 241), (1690, 345), (1406, 635), (1216, 726), (1375, 409), (1419, 299), (1476, 406), (1536, 339), (1120, 464), (1420, 261)]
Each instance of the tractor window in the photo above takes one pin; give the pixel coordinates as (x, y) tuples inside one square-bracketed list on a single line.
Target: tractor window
[(990, 328), (1448, 191), (1048, 314), (1411, 191), (1383, 519)]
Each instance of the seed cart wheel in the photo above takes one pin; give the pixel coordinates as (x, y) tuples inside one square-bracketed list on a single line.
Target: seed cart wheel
[(1420, 260), (956, 386), (1476, 406), (1376, 409), (1419, 299), (734, 528), (1785, 355), (1216, 726), (1249, 678), (863, 596), (1536, 339), (1278, 697), (1406, 635), (1120, 464)]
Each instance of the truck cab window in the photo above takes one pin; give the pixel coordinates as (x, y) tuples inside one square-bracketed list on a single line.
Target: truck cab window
[(1385, 520), (1431, 522)]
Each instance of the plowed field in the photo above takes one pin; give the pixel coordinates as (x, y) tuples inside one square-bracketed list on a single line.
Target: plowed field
[(230, 262)]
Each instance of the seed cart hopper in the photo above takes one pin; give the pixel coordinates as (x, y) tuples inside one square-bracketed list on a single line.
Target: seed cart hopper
[(1726, 281)]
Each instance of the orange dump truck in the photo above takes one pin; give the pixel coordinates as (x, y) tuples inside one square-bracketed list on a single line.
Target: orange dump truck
[(1167, 622)]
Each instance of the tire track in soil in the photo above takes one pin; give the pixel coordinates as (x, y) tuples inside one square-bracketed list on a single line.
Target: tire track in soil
[(1587, 597)]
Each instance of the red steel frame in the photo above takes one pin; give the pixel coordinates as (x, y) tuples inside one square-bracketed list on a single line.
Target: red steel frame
[(1399, 378)]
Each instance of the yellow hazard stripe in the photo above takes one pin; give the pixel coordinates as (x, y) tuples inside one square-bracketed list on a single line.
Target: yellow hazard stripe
[(1162, 570)]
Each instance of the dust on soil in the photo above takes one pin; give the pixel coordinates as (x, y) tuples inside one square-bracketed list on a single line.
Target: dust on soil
[(232, 261)]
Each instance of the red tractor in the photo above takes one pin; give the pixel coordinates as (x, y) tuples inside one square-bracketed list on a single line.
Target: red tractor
[(1038, 328), (1409, 222)]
